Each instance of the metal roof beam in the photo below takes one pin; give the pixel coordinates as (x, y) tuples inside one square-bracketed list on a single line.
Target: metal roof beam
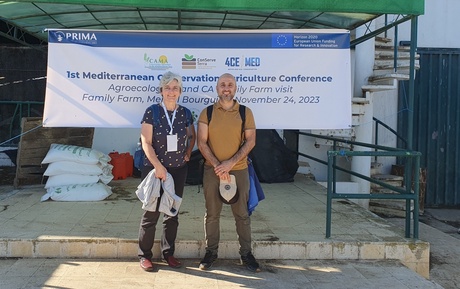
[(376, 32), (19, 35)]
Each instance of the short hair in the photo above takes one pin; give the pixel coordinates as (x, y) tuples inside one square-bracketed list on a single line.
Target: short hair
[(225, 75), (168, 77)]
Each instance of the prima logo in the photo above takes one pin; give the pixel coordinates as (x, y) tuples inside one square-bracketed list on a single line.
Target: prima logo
[(60, 36), (79, 37)]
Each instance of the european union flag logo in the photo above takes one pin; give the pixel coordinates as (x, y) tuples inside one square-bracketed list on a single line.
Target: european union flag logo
[(282, 40)]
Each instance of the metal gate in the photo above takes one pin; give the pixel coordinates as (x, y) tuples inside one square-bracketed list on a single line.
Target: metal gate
[(437, 123)]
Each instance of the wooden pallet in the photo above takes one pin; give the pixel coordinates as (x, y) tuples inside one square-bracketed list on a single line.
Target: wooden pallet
[(35, 143)]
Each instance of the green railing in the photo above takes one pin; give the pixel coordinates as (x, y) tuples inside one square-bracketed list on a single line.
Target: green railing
[(376, 134), (410, 194), (19, 110)]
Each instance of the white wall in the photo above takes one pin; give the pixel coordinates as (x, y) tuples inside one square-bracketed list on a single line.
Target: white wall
[(307, 145), (385, 104), (121, 140), (363, 62), (437, 28)]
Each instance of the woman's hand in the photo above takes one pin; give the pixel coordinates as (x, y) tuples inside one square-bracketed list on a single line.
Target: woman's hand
[(160, 172)]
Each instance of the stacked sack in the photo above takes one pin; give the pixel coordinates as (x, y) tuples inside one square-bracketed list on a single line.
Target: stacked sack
[(76, 174)]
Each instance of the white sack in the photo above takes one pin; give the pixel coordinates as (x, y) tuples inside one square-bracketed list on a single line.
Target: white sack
[(70, 179), (61, 152), (66, 167), (105, 178), (75, 193), (104, 172)]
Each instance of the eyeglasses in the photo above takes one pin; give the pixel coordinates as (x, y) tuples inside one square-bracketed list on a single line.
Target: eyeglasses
[(174, 88)]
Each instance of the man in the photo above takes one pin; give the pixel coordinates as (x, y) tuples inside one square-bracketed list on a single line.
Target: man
[(225, 143)]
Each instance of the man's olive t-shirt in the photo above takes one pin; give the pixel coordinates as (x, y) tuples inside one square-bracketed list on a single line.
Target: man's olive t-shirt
[(224, 131)]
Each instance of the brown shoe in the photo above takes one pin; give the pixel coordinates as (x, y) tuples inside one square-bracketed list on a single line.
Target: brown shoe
[(173, 262), (146, 264)]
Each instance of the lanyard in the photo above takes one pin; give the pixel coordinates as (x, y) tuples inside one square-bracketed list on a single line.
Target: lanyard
[(170, 121)]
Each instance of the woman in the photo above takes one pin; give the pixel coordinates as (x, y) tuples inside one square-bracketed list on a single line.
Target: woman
[(167, 140)]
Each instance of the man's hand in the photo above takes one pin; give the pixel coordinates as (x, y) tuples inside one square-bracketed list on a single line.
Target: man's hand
[(222, 170), (225, 177)]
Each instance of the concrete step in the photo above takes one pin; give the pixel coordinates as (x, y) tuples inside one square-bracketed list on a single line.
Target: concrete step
[(389, 64), (389, 54), (358, 110), (304, 168), (68, 247), (376, 168), (390, 47), (385, 74), (383, 40), (396, 181), (390, 208), (389, 77), (373, 88), (389, 70)]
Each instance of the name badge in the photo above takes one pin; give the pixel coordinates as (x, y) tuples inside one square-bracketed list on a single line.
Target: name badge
[(171, 142)]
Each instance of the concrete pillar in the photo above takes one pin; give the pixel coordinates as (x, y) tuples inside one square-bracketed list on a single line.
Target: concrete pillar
[(362, 165)]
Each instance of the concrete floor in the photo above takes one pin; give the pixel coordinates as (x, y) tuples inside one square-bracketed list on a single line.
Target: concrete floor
[(288, 231)]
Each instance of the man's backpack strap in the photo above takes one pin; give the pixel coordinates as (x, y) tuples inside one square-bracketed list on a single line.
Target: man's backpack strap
[(243, 116), (209, 110), (242, 110)]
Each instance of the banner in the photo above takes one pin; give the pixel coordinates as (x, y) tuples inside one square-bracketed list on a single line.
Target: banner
[(296, 79)]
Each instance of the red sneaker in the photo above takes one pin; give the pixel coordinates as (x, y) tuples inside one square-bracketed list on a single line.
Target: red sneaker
[(146, 264), (173, 262)]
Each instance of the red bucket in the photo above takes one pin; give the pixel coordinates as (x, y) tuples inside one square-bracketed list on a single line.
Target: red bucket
[(119, 166)]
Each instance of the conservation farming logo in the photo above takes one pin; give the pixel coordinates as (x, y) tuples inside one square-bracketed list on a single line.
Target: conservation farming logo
[(189, 61)]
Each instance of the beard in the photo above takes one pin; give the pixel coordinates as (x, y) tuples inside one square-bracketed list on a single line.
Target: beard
[(226, 97)]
